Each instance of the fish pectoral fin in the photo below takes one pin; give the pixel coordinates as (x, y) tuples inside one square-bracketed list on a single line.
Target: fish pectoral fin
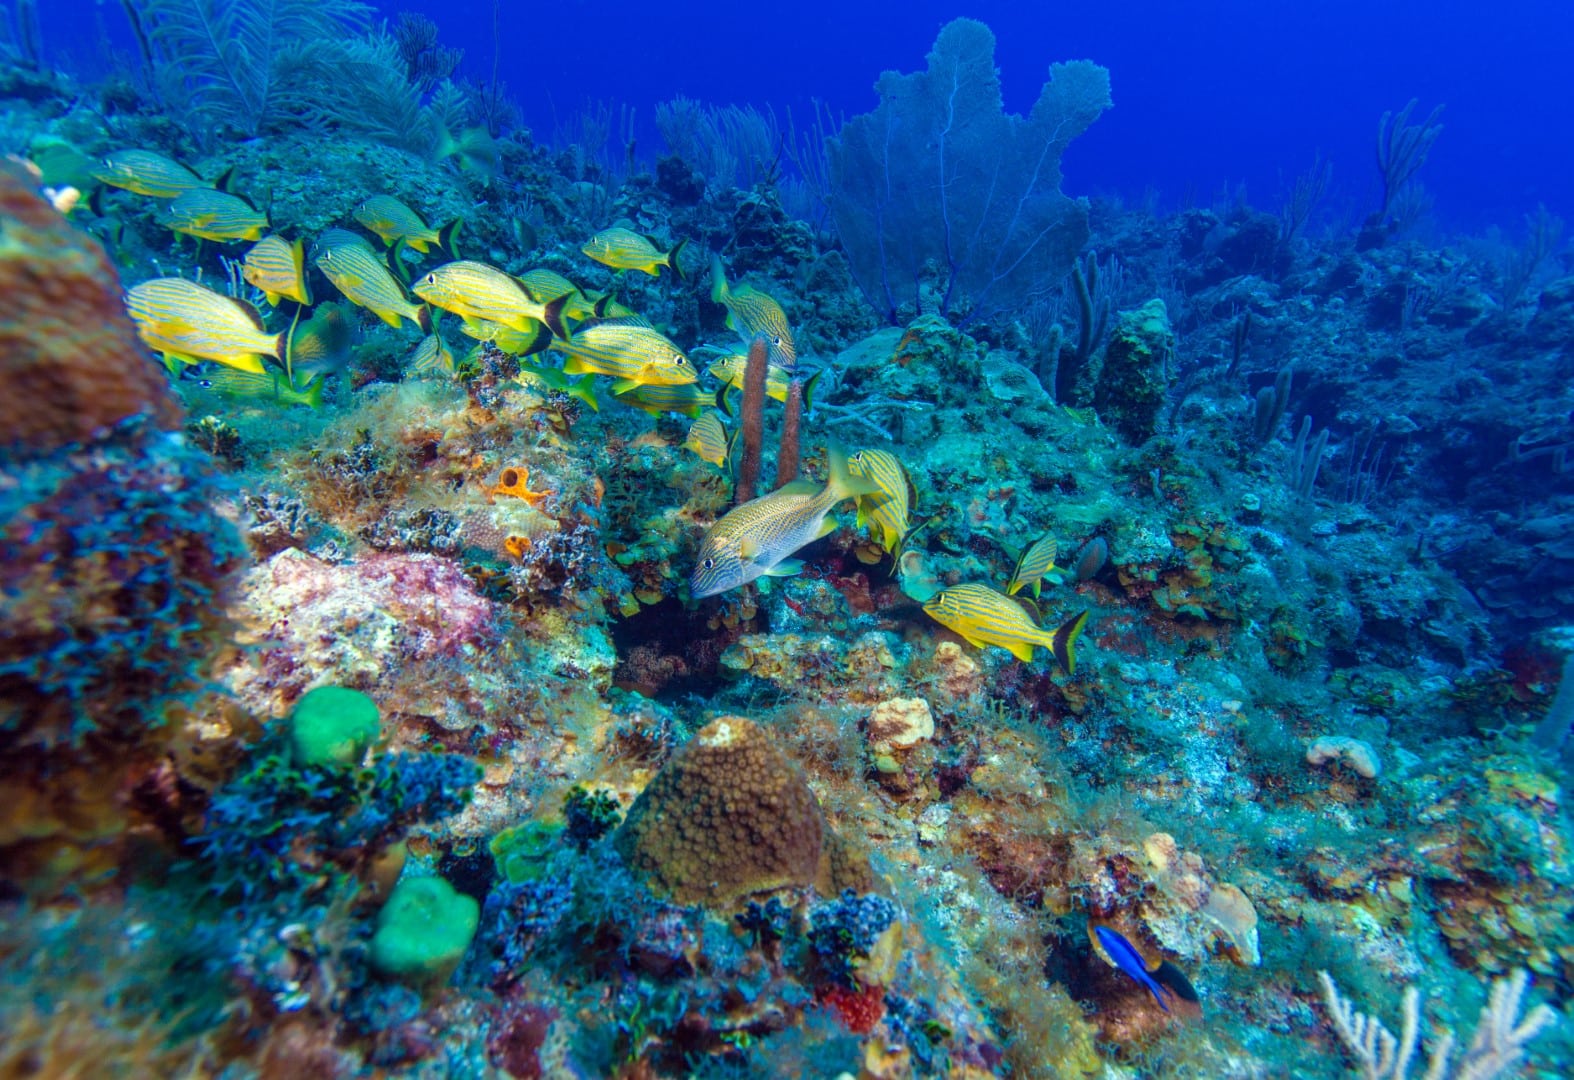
[(1022, 651), (786, 568)]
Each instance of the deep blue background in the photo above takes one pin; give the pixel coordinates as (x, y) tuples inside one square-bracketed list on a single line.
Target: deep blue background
[(1207, 93)]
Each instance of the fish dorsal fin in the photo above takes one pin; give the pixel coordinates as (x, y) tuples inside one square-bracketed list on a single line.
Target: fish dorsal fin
[(250, 312), (799, 487)]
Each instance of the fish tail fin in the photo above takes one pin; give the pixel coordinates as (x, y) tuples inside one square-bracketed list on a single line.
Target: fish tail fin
[(718, 280), (1174, 980), (843, 484), (448, 237), (312, 394), (672, 259), (423, 317), (95, 201), (226, 182), (1064, 642), (808, 391), (298, 259), (602, 305), (721, 400), (396, 263), (584, 388), (552, 315)]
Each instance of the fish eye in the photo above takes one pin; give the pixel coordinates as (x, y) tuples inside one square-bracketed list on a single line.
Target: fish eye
[(431, 279), (709, 564)]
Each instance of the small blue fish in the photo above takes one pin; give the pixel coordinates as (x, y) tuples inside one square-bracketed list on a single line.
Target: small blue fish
[(1165, 981)]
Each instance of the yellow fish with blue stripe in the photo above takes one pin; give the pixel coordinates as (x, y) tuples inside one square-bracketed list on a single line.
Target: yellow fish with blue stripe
[(329, 239), (885, 511), (278, 268), (532, 339), (432, 357), (393, 221), (729, 369), (189, 323), (550, 378), (264, 386), (150, 174), (546, 285), (632, 355), (322, 344), (709, 440), (757, 537), (365, 280), (215, 215), (753, 314), (983, 617), (1036, 560), (481, 293), (625, 249), (687, 399)]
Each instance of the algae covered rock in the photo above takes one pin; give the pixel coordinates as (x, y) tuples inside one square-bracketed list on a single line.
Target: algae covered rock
[(728, 816), (1132, 382)]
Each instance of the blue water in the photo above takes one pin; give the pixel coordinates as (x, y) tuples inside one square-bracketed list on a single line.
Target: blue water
[(1209, 95)]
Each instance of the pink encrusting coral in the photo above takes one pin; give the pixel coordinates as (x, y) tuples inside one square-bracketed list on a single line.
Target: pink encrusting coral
[(320, 622)]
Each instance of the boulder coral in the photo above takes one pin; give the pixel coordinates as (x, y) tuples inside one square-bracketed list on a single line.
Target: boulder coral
[(727, 817), (72, 362)]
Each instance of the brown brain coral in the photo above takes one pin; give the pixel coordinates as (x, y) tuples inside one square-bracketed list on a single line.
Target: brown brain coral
[(72, 362), (728, 816)]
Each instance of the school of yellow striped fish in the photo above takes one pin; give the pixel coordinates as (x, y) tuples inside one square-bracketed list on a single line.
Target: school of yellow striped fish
[(539, 313)]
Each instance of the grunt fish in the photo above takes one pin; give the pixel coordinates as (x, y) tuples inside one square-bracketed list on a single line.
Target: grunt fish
[(278, 268), (264, 386), (885, 511), (752, 314), (757, 537), (632, 355), (215, 215), (709, 440), (189, 323), (689, 399), (481, 293), (147, 173), (1036, 560), (392, 220), (551, 378), (625, 249), (983, 617), (364, 279)]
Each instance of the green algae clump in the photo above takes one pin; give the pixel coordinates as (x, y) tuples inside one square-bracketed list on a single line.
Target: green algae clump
[(729, 815), (333, 725), (423, 930)]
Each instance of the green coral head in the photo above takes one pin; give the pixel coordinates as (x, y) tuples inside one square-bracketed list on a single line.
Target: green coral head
[(333, 725), (423, 930)]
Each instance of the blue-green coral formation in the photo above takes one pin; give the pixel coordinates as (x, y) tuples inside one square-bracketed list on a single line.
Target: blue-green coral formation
[(1293, 740)]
